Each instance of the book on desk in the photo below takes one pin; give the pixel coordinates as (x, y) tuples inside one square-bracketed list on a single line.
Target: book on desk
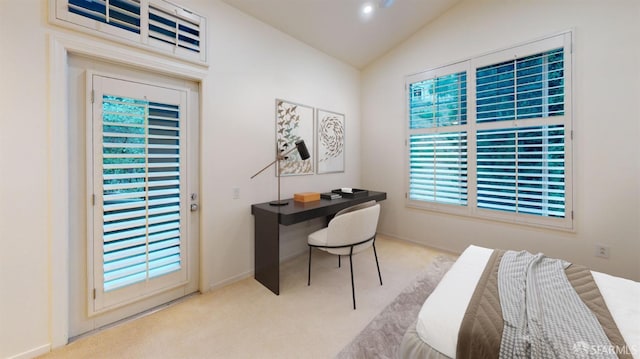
[(330, 195)]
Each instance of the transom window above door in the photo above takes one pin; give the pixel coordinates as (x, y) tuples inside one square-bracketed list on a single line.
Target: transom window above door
[(155, 25)]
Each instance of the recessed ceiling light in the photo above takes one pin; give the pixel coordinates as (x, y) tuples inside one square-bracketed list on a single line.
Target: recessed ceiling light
[(367, 9)]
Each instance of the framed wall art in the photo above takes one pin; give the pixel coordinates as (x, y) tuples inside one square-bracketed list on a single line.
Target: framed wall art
[(330, 152), (294, 122)]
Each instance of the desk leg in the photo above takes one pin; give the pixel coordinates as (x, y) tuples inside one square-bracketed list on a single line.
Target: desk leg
[(267, 250)]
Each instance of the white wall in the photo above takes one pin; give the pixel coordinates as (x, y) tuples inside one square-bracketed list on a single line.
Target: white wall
[(251, 65), (24, 227), (606, 112)]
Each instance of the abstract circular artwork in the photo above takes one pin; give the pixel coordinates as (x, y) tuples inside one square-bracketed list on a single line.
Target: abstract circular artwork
[(331, 145)]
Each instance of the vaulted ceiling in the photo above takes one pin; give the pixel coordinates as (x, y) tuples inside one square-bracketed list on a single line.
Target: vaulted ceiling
[(341, 28)]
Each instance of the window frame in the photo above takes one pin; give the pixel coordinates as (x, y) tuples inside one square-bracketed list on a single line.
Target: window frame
[(472, 127), (60, 15)]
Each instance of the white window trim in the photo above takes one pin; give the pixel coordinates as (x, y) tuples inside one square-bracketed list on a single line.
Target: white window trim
[(561, 39), (60, 16)]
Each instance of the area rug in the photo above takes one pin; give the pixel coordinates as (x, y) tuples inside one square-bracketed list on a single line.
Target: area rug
[(381, 338)]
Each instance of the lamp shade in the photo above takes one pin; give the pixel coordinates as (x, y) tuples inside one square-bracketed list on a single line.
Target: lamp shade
[(302, 150), (304, 154)]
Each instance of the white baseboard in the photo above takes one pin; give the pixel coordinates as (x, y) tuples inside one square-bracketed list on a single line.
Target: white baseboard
[(441, 249), (230, 280), (241, 276), (32, 353)]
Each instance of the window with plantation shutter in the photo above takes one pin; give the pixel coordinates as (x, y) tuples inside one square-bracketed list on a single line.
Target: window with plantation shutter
[(156, 25), (139, 190), (438, 159), (438, 168), (505, 157), (528, 87), (123, 14), (522, 170), (178, 31)]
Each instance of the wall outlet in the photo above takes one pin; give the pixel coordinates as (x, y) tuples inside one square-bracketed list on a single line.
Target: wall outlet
[(602, 251), (236, 193)]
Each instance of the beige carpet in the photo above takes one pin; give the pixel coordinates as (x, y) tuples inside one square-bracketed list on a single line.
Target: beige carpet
[(382, 337), (246, 320)]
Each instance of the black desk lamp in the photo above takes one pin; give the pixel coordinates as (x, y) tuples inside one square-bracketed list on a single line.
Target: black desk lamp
[(304, 154)]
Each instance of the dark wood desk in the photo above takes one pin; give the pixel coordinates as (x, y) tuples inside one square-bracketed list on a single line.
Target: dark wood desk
[(267, 229)]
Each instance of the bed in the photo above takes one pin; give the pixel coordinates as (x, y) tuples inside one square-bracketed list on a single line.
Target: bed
[(464, 316)]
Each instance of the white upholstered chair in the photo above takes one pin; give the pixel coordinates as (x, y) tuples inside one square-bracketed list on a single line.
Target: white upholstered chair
[(351, 231)]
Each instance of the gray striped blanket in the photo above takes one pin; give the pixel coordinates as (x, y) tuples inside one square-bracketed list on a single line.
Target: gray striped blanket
[(543, 315)]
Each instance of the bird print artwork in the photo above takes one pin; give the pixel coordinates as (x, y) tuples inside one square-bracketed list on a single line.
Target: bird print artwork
[(294, 122)]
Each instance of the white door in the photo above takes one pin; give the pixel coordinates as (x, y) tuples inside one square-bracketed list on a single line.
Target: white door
[(141, 231), (139, 200)]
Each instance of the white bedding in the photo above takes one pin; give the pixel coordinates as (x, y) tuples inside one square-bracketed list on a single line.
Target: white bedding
[(441, 315)]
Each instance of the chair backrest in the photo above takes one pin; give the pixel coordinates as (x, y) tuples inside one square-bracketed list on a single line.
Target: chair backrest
[(353, 227), (357, 207)]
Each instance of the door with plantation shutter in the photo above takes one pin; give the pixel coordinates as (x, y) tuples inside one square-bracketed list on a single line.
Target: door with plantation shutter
[(140, 201)]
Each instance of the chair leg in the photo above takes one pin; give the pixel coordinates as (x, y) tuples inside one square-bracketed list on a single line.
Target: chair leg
[(353, 290), (339, 256), (377, 265), (309, 277)]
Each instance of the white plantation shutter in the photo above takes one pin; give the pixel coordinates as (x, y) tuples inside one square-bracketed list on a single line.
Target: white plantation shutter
[(438, 160), (139, 215), (175, 29), (164, 189), (124, 14), (515, 145), (529, 87), (438, 168), (153, 24), (141, 192), (522, 170)]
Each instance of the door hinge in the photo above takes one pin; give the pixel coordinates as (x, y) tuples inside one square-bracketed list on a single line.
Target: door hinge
[(94, 293), (572, 134), (405, 195), (93, 94), (571, 214), (93, 199)]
